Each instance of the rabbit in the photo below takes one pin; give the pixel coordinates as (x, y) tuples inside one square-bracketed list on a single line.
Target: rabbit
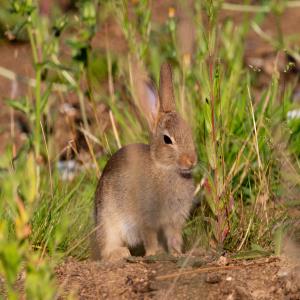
[(147, 189)]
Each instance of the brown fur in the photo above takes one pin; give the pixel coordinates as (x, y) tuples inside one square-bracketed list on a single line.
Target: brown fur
[(145, 189)]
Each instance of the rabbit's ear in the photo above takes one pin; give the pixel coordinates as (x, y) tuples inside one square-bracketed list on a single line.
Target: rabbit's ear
[(145, 94), (150, 104), (166, 95)]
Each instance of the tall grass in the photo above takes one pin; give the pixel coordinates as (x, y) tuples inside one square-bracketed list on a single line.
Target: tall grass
[(243, 167)]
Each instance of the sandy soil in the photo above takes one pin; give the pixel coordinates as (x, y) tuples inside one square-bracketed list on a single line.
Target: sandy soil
[(168, 278)]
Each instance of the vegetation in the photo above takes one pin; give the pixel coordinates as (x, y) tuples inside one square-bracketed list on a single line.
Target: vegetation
[(247, 148)]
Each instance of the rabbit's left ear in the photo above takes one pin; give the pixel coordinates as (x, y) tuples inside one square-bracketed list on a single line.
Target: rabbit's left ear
[(150, 105), (146, 94)]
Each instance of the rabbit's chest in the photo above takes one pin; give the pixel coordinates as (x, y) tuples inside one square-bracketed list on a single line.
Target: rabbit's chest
[(179, 187), (175, 200)]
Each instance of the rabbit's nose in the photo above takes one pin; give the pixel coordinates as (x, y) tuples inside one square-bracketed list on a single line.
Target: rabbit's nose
[(187, 161)]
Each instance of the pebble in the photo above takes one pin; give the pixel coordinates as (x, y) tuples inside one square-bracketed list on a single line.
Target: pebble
[(213, 278), (288, 286), (222, 261), (282, 273)]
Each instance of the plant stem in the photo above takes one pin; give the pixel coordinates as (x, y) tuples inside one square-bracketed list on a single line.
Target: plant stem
[(37, 91), (37, 134), (255, 8), (212, 99)]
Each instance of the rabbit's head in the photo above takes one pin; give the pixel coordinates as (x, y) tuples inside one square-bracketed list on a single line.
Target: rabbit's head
[(171, 143)]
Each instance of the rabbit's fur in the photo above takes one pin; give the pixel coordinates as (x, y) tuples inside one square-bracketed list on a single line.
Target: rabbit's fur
[(147, 189)]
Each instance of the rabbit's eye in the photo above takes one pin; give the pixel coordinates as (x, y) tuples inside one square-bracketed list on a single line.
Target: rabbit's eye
[(167, 139)]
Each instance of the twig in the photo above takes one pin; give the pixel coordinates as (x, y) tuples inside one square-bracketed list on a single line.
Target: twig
[(246, 234), (113, 123), (109, 68), (48, 159), (258, 30), (10, 75), (81, 240), (232, 171), (87, 136), (210, 269), (255, 130), (82, 109), (256, 8)]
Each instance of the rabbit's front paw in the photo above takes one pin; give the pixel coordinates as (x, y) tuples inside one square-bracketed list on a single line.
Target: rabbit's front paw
[(150, 242), (174, 239), (175, 245), (154, 251), (118, 254)]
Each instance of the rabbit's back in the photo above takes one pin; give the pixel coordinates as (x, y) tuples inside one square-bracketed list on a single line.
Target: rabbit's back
[(121, 174)]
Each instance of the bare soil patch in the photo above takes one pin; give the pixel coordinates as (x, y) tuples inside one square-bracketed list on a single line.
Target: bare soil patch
[(168, 278)]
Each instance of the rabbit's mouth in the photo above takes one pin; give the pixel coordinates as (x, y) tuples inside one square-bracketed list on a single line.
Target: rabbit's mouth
[(186, 173)]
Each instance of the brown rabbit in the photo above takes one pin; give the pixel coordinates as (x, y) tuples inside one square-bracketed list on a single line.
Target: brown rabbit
[(147, 189)]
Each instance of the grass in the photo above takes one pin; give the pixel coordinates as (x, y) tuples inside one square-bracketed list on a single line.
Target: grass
[(248, 151)]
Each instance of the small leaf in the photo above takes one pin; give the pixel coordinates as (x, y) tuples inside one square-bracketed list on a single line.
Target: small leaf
[(45, 97), (30, 190), (207, 116), (251, 254), (19, 105), (10, 259), (211, 154), (278, 238)]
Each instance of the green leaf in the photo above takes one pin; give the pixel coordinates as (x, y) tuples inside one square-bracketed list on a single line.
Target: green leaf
[(211, 153), (278, 239), (207, 116), (252, 254), (20, 105), (45, 97), (10, 260)]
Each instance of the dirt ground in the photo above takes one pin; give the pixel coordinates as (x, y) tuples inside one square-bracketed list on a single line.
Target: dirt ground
[(193, 277)]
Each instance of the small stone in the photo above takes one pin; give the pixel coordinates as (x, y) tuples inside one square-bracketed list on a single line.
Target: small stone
[(213, 278), (241, 293), (230, 297), (288, 286), (229, 278), (294, 289), (129, 280), (222, 261), (282, 273)]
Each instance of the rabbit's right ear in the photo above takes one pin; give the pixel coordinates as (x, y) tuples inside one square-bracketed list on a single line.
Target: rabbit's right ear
[(166, 93)]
